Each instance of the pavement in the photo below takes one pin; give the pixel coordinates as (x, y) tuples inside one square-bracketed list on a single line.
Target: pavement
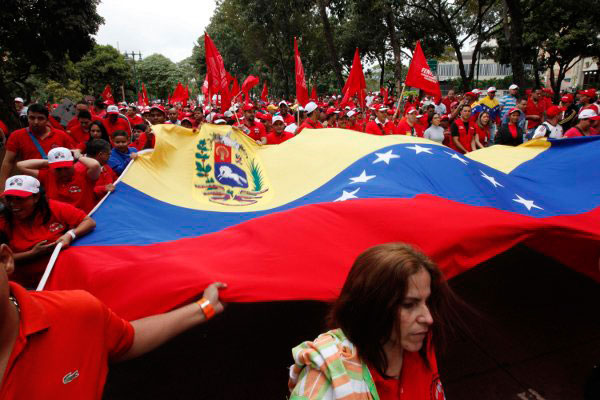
[(535, 334)]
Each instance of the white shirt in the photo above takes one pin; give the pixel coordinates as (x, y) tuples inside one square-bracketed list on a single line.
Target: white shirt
[(435, 133), (556, 132), (440, 109)]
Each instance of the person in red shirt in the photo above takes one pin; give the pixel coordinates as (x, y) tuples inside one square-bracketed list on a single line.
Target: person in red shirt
[(380, 125), (449, 99), (198, 118), (536, 107), (80, 131), (284, 112), (23, 143), (312, 120), (115, 122), (62, 181), (133, 117), (58, 344), (266, 120), (480, 131), (278, 135), (510, 133), (32, 225), (587, 118), (409, 125), (459, 129), (251, 127), (99, 150)]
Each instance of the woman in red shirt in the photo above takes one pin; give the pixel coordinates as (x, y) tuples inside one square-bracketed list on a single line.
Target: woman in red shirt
[(481, 131), (32, 225), (510, 134)]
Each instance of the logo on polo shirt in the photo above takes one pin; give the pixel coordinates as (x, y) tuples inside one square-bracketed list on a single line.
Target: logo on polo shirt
[(56, 226), (74, 189), (70, 377)]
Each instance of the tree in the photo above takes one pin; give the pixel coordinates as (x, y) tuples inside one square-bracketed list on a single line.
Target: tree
[(101, 66), (56, 92), (34, 35), (159, 74)]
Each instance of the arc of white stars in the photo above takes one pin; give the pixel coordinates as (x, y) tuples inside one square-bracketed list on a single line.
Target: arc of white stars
[(457, 157), (527, 203), (348, 195), (362, 178), (385, 157), (492, 180), (420, 149)]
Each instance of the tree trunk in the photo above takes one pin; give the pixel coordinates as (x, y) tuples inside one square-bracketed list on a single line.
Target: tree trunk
[(333, 57), (536, 69), (515, 40), (390, 22)]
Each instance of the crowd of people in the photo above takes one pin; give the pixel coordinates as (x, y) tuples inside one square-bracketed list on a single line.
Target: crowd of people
[(52, 176)]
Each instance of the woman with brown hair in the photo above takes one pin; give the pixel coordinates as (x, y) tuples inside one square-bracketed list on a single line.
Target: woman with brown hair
[(481, 131), (389, 317)]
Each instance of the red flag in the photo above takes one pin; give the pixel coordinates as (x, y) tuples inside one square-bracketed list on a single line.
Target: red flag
[(107, 95), (265, 93), (301, 89), (420, 76), (384, 94), (186, 95), (205, 91), (355, 84), (178, 94), (249, 83), (215, 69), (145, 99), (235, 88), (313, 93)]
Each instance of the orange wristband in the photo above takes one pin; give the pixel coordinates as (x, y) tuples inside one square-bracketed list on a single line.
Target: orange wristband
[(206, 307)]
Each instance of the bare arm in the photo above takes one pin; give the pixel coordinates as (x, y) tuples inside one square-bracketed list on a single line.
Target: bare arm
[(93, 167), (10, 158), (84, 227), (31, 167), (151, 332)]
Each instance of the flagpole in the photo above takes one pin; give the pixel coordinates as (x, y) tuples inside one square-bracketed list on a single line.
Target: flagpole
[(399, 100)]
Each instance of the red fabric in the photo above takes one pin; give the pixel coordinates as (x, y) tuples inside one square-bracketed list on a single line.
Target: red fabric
[(404, 128), (374, 128), (78, 135), (313, 94), (513, 130), (464, 134), (483, 133), (309, 124), (21, 144), (235, 89), (384, 94), (355, 84), (119, 125), (292, 265), (264, 93), (22, 237), (257, 130), (573, 132), (535, 109), (216, 74), (73, 333), (289, 119), (136, 120), (145, 99), (4, 128), (249, 83), (273, 138), (141, 141), (301, 89), (79, 192), (107, 176), (416, 382), (107, 95), (419, 74)]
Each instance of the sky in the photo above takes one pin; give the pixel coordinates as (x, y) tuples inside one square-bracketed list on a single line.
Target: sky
[(168, 27)]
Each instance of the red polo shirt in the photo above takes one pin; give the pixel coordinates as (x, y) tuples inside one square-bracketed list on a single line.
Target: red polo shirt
[(375, 128), (121, 124), (404, 128), (141, 141), (535, 109), (66, 339), (21, 144), (289, 119), (257, 130), (309, 124), (273, 138), (79, 136), (79, 192), (106, 177), (135, 120), (23, 236)]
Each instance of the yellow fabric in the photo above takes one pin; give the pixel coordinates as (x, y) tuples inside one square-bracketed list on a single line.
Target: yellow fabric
[(287, 171)]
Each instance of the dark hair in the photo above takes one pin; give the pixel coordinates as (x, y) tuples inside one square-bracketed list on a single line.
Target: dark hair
[(367, 307), (96, 146), (140, 127), (84, 114), (41, 208), (99, 103), (37, 108), (120, 133)]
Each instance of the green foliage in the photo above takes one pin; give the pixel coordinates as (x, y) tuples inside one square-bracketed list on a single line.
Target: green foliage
[(56, 91), (257, 177), (159, 74), (101, 66)]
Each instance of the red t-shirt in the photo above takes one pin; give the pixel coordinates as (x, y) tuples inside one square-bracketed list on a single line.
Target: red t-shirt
[(120, 125), (135, 120), (79, 192), (573, 132), (107, 176), (289, 119), (273, 138), (141, 141), (21, 144), (404, 128), (79, 136), (4, 128), (22, 237), (309, 124), (375, 128), (257, 130), (66, 339), (535, 109)]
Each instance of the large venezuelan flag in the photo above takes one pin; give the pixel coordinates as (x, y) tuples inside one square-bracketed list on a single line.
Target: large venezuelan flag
[(286, 222)]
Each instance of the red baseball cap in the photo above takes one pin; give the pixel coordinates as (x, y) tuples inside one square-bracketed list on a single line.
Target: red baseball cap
[(158, 107), (248, 107), (567, 98), (553, 111), (411, 110), (588, 92)]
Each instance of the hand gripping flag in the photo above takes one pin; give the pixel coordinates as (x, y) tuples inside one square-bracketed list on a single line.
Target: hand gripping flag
[(285, 222), (419, 74), (301, 88)]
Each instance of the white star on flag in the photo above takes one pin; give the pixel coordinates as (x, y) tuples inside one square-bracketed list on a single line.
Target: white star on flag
[(420, 149), (457, 157), (385, 157), (362, 178), (348, 195), (492, 180), (527, 203)]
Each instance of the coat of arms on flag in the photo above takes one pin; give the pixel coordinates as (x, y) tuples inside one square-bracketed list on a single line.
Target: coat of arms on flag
[(227, 171)]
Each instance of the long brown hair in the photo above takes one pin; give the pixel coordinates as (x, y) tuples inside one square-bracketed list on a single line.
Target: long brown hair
[(375, 288)]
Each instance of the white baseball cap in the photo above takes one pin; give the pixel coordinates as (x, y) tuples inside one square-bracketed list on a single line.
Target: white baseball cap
[(491, 89), (20, 100), (310, 107), (220, 121), (278, 118), (351, 113), (291, 128), (21, 186), (60, 157), (589, 114), (112, 109), (282, 102), (513, 87)]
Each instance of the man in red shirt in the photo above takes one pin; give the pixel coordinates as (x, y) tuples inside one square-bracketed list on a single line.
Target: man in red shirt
[(448, 100), (64, 182), (587, 118), (409, 125), (278, 135), (57, 344), (380, 125), (284, 112), (460, 132), (312, 120), (251, 127), (80, 130), (133, 117), (535, 110), (34, 141), (115, 122)]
